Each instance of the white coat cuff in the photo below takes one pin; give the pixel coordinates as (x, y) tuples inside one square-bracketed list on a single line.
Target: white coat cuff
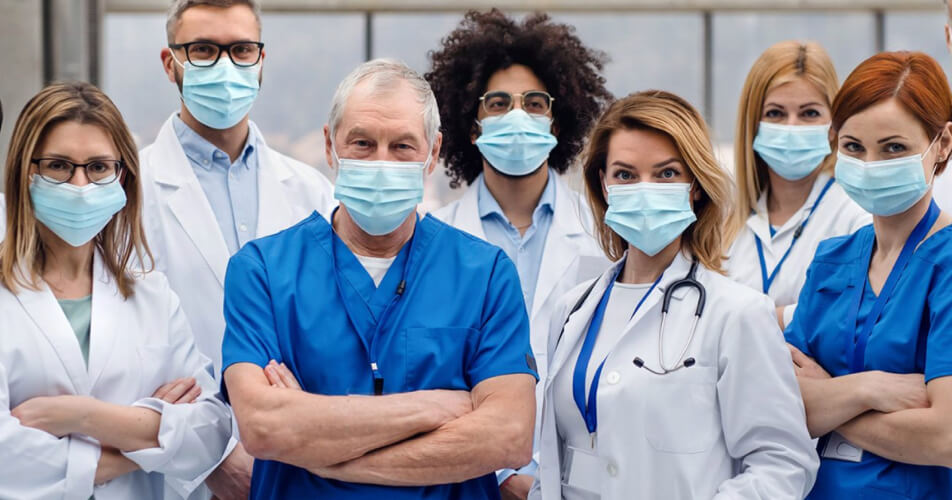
[(788, 315), (81, 467)]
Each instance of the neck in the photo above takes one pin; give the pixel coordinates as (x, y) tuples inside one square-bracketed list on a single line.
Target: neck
[(230, 140), (517, 196), (361, 243), (893, 231), (785, 197), (642, 268), (65, 264)]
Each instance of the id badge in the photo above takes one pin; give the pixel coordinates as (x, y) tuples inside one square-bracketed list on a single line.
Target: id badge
[(839, 448), (582, 471)]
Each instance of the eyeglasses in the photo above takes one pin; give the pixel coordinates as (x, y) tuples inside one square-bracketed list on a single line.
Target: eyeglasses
[(205, 54), (59, 171), (534, 102)]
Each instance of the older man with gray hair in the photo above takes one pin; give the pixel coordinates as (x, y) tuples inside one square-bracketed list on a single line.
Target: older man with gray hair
[(381, 354)]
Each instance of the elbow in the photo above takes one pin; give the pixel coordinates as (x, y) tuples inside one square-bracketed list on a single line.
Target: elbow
[(260, 437), (516, 444)]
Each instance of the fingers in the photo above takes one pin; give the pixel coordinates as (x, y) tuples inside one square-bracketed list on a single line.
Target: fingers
[(191, 395), (280, 376), (163, 390), (271, 373), (178, 389), (287, 377)]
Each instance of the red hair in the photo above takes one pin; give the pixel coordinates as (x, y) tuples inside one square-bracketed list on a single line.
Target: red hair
[(914, 79)]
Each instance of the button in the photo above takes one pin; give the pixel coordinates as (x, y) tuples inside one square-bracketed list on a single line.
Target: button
[(612, 470), (243, 228), (613, 378), (205, 162)]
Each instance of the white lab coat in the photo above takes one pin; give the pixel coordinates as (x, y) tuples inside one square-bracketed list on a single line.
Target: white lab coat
[(836, 215), (730, 427), (942, 191), (184, 235), (136, 345)]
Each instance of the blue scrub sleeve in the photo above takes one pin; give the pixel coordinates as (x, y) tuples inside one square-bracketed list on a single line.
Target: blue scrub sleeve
[(939, 342), (502, 347), (795, 333), (250, 334)]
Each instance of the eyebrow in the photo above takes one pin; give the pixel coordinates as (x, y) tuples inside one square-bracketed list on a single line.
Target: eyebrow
[(809, 104), (407, 137), (774, 104), (667, 162), (70, 158), (887, 139), (850, 138)]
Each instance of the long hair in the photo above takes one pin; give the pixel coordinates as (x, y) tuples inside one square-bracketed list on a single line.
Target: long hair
[(674, 117), (22, 253), (782, 63)]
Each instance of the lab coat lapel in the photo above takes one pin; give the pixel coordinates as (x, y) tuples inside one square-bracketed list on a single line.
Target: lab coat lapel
[(759, 223), (561, 248), (107, 314), (274, 209), (49, 318), (467, 213), (676, 271), (188, 203)]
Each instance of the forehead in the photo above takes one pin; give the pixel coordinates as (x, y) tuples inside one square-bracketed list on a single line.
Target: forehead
[(221, 25), (390, 111), (515, 79), (797, 90), (641, 147), (76, 140), (884, 119)]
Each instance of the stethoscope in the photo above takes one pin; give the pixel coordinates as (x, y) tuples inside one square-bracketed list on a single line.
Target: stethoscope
[(689, 281)]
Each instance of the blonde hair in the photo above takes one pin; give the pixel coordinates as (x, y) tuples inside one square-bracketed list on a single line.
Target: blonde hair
[(674, 117), (782, 63), (22, 254)]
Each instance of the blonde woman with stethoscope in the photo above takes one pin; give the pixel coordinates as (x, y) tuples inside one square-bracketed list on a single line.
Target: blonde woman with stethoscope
[(786, 201), (667, 380)]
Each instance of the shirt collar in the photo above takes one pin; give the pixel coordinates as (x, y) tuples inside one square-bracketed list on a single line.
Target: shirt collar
[(205, 154), (488, 205)]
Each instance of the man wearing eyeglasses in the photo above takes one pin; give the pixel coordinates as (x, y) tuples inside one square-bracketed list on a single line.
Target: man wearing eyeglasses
[(210, 183), (516, 101)]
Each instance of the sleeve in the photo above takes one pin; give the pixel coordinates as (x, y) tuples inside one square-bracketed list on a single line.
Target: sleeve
[(503, 344), (763, 417), (250, 333), (939, 340), (795, 332), (788, 312), (39, 465), (193, 438)]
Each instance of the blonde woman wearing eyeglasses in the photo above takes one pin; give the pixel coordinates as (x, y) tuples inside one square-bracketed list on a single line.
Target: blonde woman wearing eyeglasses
[(102, 390)]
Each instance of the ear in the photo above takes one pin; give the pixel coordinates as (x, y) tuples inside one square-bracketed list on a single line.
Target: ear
[(555, 128), (948, 37), (168, 64), (474, 132), (601, 180), (328, 145), (435, 153), (944, 143)]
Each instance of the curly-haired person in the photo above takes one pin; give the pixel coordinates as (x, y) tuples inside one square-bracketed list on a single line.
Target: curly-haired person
[(516, 101)]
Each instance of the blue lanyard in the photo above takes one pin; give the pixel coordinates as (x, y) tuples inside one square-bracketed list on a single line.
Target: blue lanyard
[(589, 412), (856, 347), (768, 280)]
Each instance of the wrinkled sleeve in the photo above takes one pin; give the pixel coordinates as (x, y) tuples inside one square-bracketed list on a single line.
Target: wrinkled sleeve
[(763, 417), (939, 341), (38, 465), (795, 332), (193, 438)]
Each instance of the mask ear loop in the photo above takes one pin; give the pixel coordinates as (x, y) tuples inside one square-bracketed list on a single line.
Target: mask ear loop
[(935, 165)]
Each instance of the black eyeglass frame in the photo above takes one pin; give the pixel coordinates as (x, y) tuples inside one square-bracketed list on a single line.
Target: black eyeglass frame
[(117, 164), (512, 100), (222, 48)]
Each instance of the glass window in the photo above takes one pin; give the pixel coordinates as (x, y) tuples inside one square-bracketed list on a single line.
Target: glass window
[(920, 30), (409, 37)]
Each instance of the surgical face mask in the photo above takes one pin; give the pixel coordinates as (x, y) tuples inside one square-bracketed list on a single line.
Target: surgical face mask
[(792, 151), (219, 96), (886, 187), (516, 143), (649, 215), (379, 195), (75, 213)]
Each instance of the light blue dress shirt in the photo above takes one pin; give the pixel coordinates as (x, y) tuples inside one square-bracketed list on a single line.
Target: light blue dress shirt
[(524, 250), (231, 188)]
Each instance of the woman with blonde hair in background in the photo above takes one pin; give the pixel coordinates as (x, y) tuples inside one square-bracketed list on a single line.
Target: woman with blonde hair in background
[(667, 379), (786, 201), (93, 356)]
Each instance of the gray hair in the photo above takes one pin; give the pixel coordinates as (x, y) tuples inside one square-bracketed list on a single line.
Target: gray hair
[(178, 7), (384, 75)]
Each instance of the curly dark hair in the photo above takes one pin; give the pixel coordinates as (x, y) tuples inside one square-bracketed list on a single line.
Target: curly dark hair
[(486, 42)]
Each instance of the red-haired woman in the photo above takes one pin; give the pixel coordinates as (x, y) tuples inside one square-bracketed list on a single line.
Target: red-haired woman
[(876, 310)]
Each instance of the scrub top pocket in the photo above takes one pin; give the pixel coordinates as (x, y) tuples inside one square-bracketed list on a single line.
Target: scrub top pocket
[(681, 411), (437, 358)]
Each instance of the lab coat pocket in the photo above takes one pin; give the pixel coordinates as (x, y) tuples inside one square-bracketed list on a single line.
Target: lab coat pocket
[(153, 369), (681, 412), (437, 358)]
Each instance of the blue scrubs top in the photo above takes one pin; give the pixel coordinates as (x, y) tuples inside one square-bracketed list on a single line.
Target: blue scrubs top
[(460, 320), (913, 335)]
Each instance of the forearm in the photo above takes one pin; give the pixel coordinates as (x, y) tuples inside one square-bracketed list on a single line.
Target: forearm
[(125, 428), (832, 402), (920, 436), (113, 464)]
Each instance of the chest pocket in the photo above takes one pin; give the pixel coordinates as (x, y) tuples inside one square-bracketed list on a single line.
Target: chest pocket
[(437, 358), (681, 411)]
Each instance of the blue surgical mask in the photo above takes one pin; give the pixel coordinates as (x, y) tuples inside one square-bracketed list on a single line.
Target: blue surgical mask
[(792, 151), (379, 195), (75, 213), (886, 187), (649, 215), (516, 143), (219, 96)]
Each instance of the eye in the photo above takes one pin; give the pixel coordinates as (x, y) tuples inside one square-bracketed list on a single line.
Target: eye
[(404, 147), (853, 147), (361, 143), (811, 113), (623, 175), (895, 148), (774, 113), (669, 173), (58, 165)]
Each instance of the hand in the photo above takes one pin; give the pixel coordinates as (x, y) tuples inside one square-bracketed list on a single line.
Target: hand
[(805, 366), (112, 464), (232, 479), (516, 487), (179, 391), (450, 405), (57, 415), (280, 376), (891, 392)]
